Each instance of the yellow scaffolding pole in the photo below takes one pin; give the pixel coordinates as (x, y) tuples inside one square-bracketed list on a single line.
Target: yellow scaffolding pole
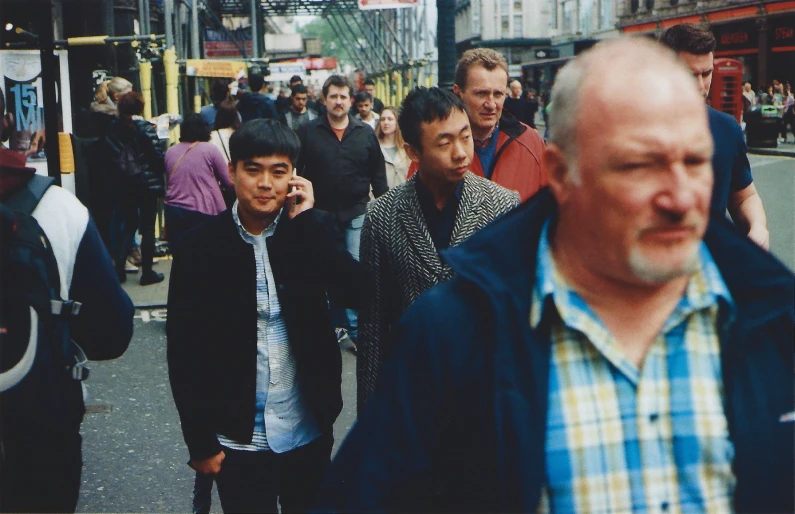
[(172, 94), (145, 69)]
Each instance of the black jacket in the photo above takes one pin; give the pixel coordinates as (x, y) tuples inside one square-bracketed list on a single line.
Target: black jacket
[(342, 172), (252, 106), (212, 323)]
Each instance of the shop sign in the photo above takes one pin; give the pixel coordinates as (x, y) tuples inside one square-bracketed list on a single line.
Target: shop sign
[(737, 36)]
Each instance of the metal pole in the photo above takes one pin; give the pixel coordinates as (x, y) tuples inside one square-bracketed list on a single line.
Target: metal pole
[(194, 30), (445, 39), (147, 18), (355, 41), (48, 66), (168, 14), (141, 14), (179, 36), (388, 59), (349, 46), (254, 29), (389, 28)]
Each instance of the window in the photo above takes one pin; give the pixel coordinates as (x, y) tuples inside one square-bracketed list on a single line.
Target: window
[(516, 56), (568, 16), (634, 5), (606, 14), (553, 15), (585, 17), (518, 29), (517, 5), (506, 23), (505, 6)]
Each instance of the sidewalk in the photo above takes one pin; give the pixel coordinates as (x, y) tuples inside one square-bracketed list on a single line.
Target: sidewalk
[(782, 150), (155, 295)]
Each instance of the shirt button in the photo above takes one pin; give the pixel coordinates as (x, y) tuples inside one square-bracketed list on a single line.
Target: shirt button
[(664, 506), (653, 419)]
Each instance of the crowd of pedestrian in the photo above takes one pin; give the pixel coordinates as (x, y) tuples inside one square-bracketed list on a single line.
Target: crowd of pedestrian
[(560, 323)]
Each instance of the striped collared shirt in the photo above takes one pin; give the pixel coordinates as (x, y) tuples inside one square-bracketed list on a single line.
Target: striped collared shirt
[(281, 421), (623, 439)]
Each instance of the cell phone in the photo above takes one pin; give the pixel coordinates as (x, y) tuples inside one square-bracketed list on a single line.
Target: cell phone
[(296, 200)]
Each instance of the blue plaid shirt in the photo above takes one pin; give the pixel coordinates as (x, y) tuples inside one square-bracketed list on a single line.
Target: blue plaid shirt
[(623, 439)]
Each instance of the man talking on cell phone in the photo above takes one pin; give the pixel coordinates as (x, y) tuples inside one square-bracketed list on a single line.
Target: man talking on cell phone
[(258, 393)]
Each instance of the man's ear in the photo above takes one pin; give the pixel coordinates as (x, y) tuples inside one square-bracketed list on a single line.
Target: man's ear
[(456, 90), (558, 171), (412, 152), (232, 172)]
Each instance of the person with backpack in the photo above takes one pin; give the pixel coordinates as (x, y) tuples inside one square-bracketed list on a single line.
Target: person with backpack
[(59, 290), (137, 159)]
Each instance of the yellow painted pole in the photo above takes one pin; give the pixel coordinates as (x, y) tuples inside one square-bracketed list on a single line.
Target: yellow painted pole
[(400, 93), (66, 152), (172, 94), (145, 69)]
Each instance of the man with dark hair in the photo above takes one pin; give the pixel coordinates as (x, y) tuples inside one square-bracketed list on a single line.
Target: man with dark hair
[(363, 103), (253, 104), (258, 394), (218, 93), (508, 152), (341, 156), (439, 207), (608, 346), (734, 188), (369, 86), (298, 113)]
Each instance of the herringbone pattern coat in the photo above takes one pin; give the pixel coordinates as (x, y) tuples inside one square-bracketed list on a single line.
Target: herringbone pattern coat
[(397, 249)]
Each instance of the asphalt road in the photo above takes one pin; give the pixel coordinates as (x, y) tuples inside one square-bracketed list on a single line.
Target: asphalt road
[(133, 449), (133, 452), (775, 181)]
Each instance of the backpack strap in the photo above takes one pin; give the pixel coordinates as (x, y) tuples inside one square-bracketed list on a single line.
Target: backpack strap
[(26, 199)]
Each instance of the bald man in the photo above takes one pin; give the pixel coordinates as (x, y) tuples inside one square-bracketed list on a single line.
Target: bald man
[(607, 346)]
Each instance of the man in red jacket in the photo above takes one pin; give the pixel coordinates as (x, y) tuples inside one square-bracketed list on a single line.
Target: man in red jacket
[(507, 151)]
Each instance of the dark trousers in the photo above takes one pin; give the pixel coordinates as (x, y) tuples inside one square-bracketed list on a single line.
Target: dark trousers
[(179, 221), (255, 481), (40, 474), (137, 212)]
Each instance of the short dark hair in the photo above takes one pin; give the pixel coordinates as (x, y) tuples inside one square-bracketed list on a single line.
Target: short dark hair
[(362, 96), (131, 104), (194, 128), (219, 90), (226, 116), (336, 81), (255, 82), (262, 138), (296, 78), (368, 82), (690, 38), (298, 89), (425, 105)]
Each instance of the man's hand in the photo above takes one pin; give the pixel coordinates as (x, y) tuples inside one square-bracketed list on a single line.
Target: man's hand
[(209, 466), (302, 198)]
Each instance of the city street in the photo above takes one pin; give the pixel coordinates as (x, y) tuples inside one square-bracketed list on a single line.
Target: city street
[(135, 458)]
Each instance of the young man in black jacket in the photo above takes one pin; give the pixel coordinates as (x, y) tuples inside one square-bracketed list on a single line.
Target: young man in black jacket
[(341, 156), (258, 391)]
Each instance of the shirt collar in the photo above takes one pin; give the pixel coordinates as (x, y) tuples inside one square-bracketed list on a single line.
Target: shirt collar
[(705, 289), (248, 236), (425, 195), (482, 143)]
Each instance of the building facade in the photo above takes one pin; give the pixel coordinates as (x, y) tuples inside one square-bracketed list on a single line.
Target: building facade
[(759, 34)]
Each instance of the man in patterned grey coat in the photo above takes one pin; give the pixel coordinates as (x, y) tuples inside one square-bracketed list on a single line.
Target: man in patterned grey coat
[(405, 229)]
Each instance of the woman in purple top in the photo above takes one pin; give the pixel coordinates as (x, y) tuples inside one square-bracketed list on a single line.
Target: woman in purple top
[(195, 172)]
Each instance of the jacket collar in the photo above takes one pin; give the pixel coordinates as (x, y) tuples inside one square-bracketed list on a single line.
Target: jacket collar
[(409, 214), (511, 126), (353, 123), (501, 260)]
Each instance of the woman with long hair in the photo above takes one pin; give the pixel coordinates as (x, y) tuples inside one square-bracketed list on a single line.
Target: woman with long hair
[(227, 120), (391, 141), (194, 170)]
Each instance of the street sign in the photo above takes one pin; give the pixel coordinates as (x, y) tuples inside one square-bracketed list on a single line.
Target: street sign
[(387, 4)]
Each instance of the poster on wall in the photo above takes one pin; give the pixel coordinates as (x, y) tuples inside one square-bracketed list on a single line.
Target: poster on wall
[(387, 4), (22, 89)]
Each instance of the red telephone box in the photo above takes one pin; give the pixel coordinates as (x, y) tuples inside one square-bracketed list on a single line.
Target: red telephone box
[(726, 92)]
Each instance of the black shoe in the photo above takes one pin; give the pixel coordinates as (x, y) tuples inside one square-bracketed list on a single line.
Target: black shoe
[(150, 277), (122, 275)]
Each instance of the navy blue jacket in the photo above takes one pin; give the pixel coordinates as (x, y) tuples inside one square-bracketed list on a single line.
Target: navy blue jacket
[(458, 423)]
